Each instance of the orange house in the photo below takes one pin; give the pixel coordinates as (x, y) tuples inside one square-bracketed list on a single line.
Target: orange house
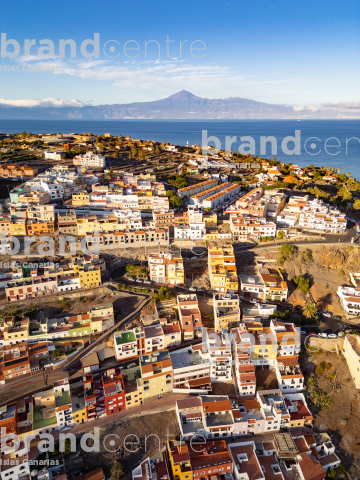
[(40, 228)]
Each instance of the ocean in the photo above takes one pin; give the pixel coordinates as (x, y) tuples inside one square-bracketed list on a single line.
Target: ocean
[(313, 135)]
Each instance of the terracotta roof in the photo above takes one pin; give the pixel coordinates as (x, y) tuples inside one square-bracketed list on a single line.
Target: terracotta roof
[(252, 405), (211, 407), (189, 403)]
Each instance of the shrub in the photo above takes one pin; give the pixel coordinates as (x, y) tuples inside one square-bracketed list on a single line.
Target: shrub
[(65, 304), (312, 381), (321, 399), (306, 255), (322, 367), (302, 283)]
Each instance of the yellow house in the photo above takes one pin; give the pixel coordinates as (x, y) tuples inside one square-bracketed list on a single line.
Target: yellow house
[(179, 459), (101, 318), (212, 235), (78, 409), (157, 374), (210, 220), (107, 135), (80, 199), (175, 271), (93, 224), (264, 349), (222, 269), (18, 226), (89, 276)]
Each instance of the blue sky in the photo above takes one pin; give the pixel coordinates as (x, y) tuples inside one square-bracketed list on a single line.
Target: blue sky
[(275, 51)]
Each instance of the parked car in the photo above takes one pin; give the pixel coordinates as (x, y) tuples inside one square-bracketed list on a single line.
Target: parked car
[(192, 289), (253, 300), (327, 314), (302, 332), (313, 334), (194, 258), (341, 334), (322, 335), (332, 335), (147, 281), (138, 280), (337, 317)]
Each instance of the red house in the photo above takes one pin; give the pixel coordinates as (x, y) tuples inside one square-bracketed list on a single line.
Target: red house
[(114, 391)]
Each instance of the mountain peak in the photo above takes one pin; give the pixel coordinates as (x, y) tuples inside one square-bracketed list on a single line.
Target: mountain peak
[(183, 95)]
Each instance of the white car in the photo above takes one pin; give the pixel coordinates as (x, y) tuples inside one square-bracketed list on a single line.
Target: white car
[(332, 335), (192, 289), (147, 281), (327, 314), (194, 258), (322, 335), (253, 300)]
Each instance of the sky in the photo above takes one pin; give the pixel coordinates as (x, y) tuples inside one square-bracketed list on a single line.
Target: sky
[(295, 52)]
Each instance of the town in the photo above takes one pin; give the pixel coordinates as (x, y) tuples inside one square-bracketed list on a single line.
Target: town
[(216, 294)]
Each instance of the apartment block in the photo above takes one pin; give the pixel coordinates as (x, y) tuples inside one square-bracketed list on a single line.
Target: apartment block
[(166, 268), (317, 215), (218, 346), (350, 299), (226, 311), (189, 317), (191, 369), (289, 375), (114, 390), (287, 338), (222, 269), (187, 192), (67, 223), (157, 374)]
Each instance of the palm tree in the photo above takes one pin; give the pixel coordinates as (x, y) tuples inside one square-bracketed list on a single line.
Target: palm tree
[(309, 310)]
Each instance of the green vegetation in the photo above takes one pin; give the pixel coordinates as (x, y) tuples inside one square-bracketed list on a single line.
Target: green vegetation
[(334, 472), (306, 256), (136, 270), (58, 353), (287, 252), (302, 283), (266, 239), (310, 310), (65, 304), (280, 234), (321, 399), (282, 315), (178, 181), (162, 295), (322, 368), (311, 381), (174, 200)]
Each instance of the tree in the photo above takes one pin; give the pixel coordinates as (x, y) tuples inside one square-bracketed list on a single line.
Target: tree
[(302, 283), (175, 201), (310, 310), (356, 204), (344, 193), (280, 234)]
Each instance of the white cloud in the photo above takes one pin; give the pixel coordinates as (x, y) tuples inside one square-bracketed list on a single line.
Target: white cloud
[(47, 102), (338, 107)]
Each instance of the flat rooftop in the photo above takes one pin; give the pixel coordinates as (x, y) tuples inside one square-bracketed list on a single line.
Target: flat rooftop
[(186, 357)]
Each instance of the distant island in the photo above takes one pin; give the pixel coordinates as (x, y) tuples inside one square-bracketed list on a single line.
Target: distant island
[(184, 105)]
